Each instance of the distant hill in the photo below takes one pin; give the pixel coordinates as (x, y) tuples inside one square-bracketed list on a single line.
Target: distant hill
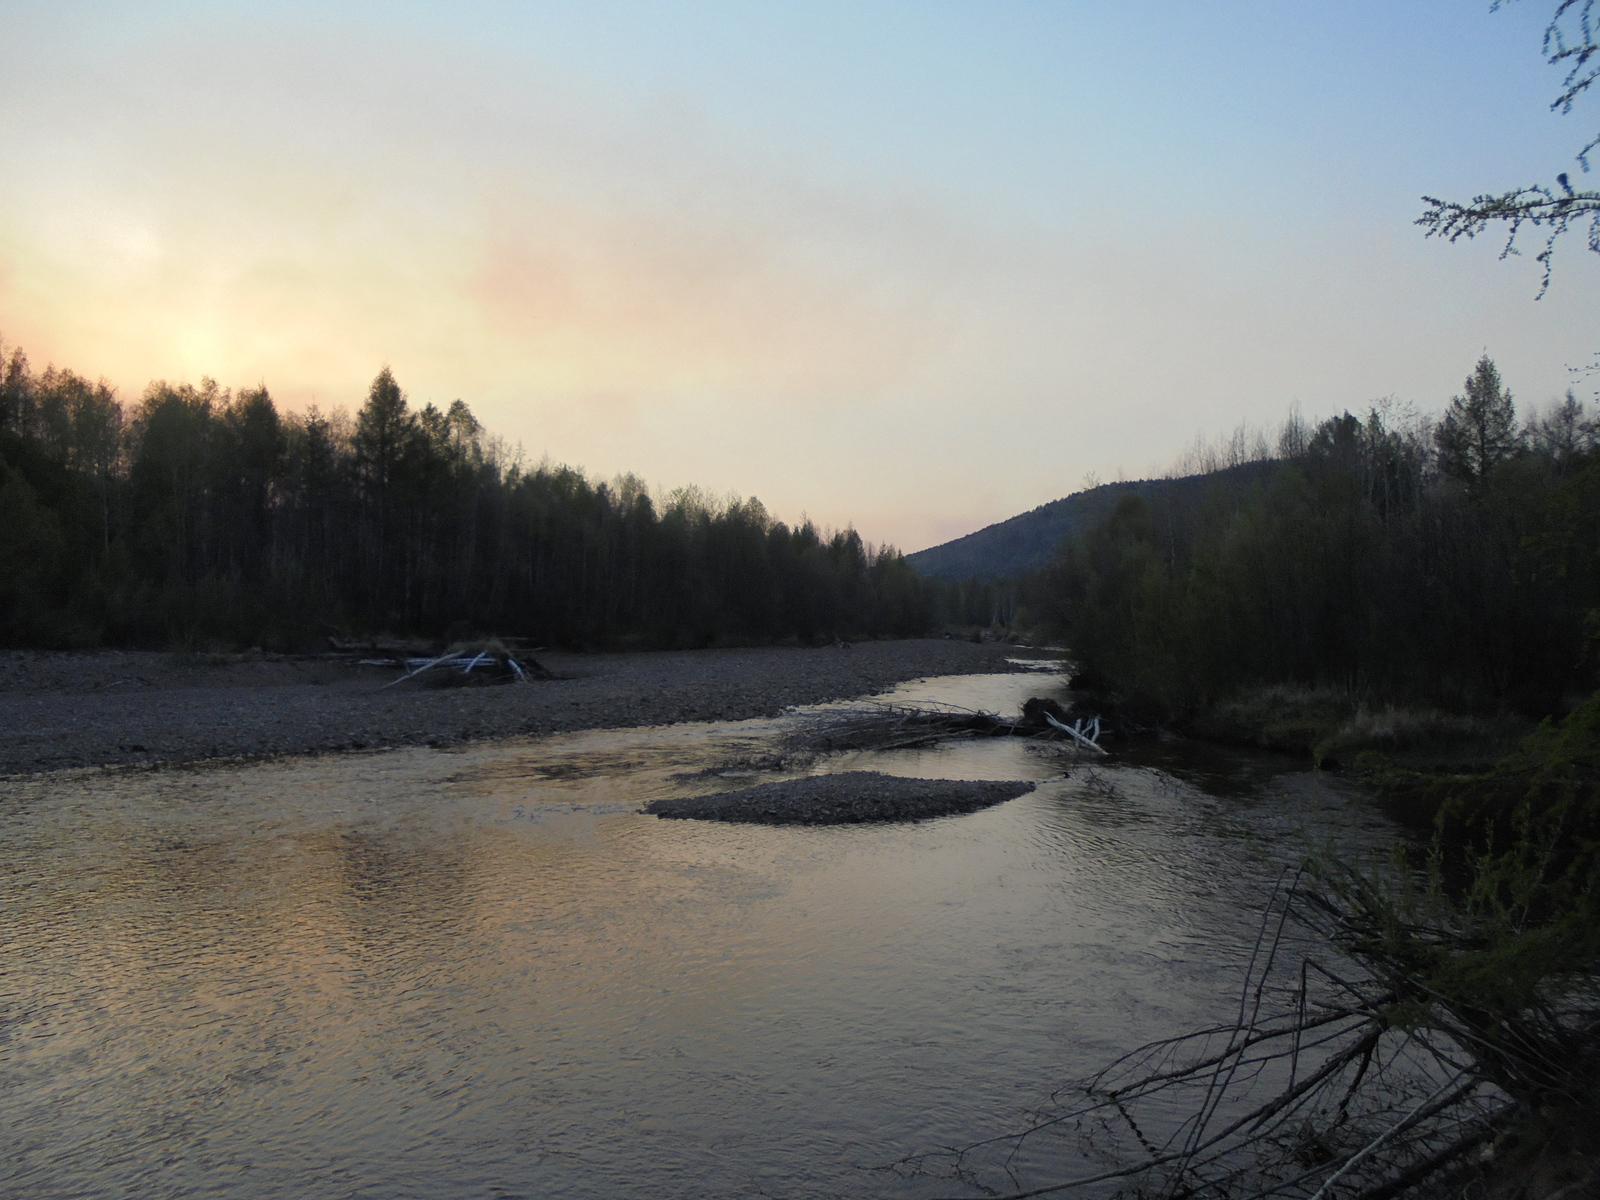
[(1027, 542)]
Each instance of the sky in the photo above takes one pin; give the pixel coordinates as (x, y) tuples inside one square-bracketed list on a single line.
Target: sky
[(914, 267)]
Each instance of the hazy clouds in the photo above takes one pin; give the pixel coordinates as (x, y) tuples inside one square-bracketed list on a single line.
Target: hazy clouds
[(917, 267)]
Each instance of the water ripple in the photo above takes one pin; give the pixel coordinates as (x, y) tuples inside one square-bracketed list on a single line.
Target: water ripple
[(484, 973)]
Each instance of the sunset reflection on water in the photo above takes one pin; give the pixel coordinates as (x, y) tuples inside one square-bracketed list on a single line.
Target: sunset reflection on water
[(483, 972)]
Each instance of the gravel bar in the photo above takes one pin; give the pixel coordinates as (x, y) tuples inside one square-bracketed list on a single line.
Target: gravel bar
[(847, 798), (62, 710)]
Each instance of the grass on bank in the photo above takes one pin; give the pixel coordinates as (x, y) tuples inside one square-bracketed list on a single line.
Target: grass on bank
[(1336, 727)]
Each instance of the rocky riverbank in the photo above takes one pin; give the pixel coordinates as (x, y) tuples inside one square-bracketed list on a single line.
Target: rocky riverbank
[(846, 798), (62, 710)]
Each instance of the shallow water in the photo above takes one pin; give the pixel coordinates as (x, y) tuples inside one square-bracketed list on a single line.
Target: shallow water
[(483, 973)]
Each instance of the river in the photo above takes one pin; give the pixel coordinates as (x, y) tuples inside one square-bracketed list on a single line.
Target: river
[(482, 972)]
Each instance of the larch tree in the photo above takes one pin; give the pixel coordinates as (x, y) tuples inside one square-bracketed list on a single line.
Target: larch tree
[(1479, 429)]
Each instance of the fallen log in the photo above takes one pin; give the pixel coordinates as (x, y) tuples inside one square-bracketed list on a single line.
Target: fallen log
[(1084, 735), (474, 663)]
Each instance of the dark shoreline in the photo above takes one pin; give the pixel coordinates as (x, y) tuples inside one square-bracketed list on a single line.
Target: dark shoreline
[(65, 710)]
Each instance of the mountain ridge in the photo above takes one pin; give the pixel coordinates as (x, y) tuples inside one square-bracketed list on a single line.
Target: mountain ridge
[(1028, 541)]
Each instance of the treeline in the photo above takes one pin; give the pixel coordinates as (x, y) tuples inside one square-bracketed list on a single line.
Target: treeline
[(1454, 562), (204, 516)]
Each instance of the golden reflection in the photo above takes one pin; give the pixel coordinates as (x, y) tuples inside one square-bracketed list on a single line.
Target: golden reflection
[(411, 960)]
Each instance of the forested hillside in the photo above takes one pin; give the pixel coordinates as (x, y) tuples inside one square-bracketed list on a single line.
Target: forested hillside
[(1025, 542), (1029, 541), (1389, 556), (203, 516)]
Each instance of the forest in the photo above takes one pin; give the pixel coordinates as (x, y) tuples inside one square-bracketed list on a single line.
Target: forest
[(203, 517), (1392, 556)]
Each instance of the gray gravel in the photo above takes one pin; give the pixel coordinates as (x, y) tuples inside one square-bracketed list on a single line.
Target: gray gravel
[(847, 798), (61, 710)]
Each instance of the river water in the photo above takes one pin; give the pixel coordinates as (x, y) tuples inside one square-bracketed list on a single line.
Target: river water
[(483, 973)]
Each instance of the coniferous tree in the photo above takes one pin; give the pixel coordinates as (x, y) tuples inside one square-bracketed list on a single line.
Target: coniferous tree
[(1479, 430)]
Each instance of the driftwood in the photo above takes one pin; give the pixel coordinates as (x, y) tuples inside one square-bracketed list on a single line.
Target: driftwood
[(474, 663), (434, 664), (1085, 734)]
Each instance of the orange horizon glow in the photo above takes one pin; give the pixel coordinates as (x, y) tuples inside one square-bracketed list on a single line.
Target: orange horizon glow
[(882, 283)]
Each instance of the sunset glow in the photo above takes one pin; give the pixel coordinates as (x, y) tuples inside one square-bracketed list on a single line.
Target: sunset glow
[(915, 267)]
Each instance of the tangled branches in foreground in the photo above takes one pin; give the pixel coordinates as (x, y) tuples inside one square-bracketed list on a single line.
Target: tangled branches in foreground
[(1362, 1061)]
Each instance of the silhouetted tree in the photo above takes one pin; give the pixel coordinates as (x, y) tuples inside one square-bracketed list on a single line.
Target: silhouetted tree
[(1479, 430)]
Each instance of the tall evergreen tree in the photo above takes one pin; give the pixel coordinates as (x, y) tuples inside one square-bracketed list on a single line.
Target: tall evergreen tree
[(1480, 428), (382, 428)]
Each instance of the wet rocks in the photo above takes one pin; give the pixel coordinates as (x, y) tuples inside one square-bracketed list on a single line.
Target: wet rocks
[(848, 798)]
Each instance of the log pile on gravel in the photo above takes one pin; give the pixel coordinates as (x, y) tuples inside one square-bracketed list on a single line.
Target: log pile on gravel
[(468, 664), (848, 798)]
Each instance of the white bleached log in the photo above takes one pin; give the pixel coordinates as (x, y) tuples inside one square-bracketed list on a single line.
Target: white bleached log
[(1077, 731), (418, 670)]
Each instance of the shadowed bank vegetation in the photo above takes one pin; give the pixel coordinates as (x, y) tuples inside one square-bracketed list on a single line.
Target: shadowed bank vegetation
[(200, 515), (1385, 558)]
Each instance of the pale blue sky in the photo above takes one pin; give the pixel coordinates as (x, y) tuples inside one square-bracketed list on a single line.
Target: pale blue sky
[(916, 266)]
